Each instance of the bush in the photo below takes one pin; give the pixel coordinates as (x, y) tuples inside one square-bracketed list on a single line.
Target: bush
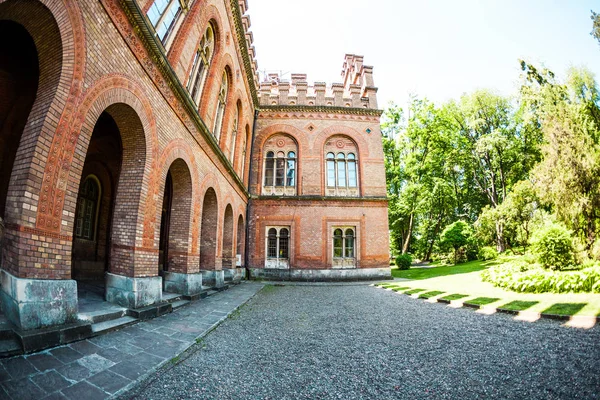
[(487, 253), (519, 276), (553, 247), (403, 261)]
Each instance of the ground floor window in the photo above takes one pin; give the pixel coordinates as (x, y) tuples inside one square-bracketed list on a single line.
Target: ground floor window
[(87, 208), (277, 246), (344, 245)]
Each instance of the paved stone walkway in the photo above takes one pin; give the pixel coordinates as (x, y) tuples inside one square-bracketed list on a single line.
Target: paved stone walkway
[(104, 366), (359, 342)]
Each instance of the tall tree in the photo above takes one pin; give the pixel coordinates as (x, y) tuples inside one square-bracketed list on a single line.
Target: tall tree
[(595, 26), (568, 178)]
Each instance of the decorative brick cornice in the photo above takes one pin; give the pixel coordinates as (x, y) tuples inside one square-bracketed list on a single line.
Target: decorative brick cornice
[(309, 200), (241, 35), (321, 109)]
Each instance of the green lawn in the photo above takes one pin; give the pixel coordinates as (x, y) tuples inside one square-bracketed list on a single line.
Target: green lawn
[(463, 282)]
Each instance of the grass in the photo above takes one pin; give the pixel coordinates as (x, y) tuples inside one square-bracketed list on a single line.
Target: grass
[(463, 282), (429, 295), (455, 296), (518, 305), (482, 301)]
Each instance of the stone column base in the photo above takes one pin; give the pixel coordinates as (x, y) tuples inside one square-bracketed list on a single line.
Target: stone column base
[(38, 303), (234, 274), (186, 284), (133, 292), (322, 275), (213, 278)]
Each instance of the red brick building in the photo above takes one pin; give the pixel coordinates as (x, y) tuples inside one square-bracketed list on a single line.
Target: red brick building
[(137, 147)]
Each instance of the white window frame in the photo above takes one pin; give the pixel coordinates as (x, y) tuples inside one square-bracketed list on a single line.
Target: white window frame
[(278, 261), (344, 261)]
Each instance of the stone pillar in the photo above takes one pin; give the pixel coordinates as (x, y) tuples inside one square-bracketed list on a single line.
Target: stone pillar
[(38, 303), (186, 284), (133, 292)]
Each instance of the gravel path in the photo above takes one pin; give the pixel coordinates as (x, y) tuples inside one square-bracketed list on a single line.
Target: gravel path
[(358, 342)]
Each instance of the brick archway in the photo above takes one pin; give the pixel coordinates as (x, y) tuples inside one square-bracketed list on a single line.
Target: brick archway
[(208, 234), (227, 248), (178, 206), (59, 85)]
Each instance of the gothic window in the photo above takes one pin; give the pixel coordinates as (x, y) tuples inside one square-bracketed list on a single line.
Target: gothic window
[(87, 209), (344, 244), (201, 64), (278, 242), (221, 103), (163, 14), (341, 170), (280, 166)]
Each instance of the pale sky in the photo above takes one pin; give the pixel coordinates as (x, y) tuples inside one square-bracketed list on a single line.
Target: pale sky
[(437, 49)]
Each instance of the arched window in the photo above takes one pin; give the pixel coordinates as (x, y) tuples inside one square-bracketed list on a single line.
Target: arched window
[(341, 172), (162, 15), (221, 103), (280, 166), (201, 63), (344, 244), (234, 132), (87, 209)]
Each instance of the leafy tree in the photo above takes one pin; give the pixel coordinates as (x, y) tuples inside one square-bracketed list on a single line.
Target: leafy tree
[(568, 177), (457, 235), (595, 26)]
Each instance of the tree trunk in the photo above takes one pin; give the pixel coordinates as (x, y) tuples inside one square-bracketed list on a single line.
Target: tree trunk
[(500, 245), (408, 234), (437, 229)]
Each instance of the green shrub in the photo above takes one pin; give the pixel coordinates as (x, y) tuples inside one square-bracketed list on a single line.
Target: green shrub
[(403, 261), (488, 253), (520, 276), (553, 247)]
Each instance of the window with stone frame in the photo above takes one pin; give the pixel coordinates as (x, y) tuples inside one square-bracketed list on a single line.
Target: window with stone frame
[(86, 213), (201, 64), (277, 245), (163, 15), (221, 105), (344, 247), (280, 166), (341, 167)]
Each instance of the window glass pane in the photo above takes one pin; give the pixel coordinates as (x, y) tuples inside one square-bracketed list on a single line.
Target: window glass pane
[(153, 14), (337, 243), (272, 247), (291, 154), (330, 155), (331, 173), (351, 156), (198, 80), (279, 172), (283, 243), (169, 20), (270, 154), (341, 172), (283, 247), (270, 162), (349, 245), (352, 173), (191, 75), (291, 172), (341, 156)]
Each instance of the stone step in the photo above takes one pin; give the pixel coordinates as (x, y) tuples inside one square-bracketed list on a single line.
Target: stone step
[(10, 347), (168, 297), (102, 316), (152, 311), (179, 303), (108, 326)]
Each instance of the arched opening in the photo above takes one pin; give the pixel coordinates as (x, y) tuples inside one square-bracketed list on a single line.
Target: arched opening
[(227, 252), (19, 77), (95, 202), (176, 217), (110, 187), (240, 242), (208, 231)]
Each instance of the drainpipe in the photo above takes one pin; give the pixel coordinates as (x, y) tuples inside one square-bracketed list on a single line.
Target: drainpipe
[(246, 243)]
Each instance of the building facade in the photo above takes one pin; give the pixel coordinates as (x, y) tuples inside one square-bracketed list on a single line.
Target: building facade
[(138, 148)]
